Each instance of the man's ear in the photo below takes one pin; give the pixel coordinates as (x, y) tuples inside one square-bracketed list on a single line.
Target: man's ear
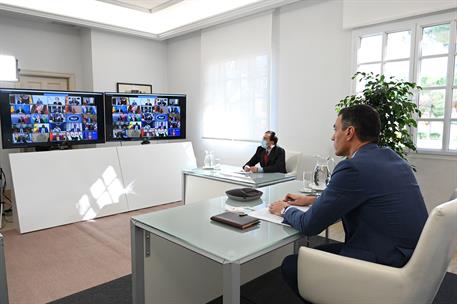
[(350, 132)]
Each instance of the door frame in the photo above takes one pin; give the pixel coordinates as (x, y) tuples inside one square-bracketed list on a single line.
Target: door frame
[(70, 77)]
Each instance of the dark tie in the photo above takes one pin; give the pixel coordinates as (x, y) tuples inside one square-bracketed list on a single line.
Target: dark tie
[(266, 158)]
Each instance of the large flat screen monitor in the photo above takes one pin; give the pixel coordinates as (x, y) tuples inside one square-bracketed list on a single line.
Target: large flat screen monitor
[(36, 118), (145, 116)]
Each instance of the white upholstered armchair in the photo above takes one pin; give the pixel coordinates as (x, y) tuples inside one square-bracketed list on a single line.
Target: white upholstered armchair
[(454, 195), (293, 161), (325, 278)]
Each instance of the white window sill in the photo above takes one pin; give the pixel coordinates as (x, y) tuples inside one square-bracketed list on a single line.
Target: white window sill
[(230, 139), (441, 155)]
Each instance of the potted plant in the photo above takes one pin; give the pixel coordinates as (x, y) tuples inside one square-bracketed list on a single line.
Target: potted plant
[(393, 100)]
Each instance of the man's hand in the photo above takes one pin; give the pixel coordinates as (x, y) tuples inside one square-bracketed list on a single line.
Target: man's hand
[(247, 168), (254, 169), (299, 200), (277, 207)]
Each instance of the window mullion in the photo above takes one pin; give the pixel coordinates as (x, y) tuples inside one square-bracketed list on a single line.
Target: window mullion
[(450, 82), (415, 62), (370, 62), (355, 61), (384, 50), (396, 60)]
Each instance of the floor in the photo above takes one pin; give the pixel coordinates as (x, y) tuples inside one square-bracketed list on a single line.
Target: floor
[(50, 264)]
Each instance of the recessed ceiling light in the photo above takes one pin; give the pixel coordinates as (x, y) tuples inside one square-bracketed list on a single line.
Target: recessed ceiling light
[(169, 18)]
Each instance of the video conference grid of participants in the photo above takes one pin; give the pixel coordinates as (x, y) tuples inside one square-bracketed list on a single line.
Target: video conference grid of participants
[(53, 118), (146, 117)]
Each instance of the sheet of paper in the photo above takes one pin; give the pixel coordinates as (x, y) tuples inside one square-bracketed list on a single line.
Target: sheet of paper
[(264, 214), (243, 174), (239, 176)]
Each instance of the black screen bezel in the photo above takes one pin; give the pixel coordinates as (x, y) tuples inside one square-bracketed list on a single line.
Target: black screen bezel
[(5, 115), (109, 116)]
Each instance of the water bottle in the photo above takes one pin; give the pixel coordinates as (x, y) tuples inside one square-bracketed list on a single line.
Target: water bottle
[(211, 159), (207, 161)]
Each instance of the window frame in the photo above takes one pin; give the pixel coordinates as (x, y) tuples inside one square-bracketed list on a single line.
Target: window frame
[(415, 26)]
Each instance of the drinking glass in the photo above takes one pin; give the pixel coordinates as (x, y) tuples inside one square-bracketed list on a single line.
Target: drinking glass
[(307, 179)]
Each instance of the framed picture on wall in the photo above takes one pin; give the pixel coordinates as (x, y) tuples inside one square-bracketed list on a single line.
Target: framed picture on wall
[(123, 87)]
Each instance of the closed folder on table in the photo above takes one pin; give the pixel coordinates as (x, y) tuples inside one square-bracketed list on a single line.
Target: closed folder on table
[(237, 220)]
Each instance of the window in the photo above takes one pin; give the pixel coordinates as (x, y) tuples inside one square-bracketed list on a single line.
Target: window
[(423, 51), (237, 98), (432, 76), (236, 64), (385, 53)]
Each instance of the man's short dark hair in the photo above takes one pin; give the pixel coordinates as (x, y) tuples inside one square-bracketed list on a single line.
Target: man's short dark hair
[(273, 136), (364, 119)]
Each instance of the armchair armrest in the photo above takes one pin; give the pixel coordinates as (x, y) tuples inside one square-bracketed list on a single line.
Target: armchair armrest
[(327, 278)]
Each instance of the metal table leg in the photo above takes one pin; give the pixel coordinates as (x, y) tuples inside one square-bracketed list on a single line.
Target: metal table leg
[(137, 247), (3, 284), (1, 212), (183, 196), (231, 278), (296, 246)]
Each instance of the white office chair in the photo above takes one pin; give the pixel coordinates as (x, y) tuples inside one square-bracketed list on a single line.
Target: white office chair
[(454, 195), (293, 161), (325, 278)]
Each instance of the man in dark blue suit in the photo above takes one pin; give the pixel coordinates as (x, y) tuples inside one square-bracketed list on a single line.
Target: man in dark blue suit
[(373, 191)]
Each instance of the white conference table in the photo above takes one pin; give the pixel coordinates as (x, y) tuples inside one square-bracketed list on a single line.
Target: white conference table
[(180, 256), (201, 184)]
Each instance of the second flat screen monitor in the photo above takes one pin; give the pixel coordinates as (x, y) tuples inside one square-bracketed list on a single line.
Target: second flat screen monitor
[(145, 116)]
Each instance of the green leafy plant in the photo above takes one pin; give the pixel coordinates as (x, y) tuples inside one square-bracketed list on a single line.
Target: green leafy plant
[(393, 100)]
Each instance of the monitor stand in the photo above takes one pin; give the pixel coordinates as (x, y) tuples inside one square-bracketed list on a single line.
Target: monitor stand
[(40, 149), (64, 146), (145, 141)]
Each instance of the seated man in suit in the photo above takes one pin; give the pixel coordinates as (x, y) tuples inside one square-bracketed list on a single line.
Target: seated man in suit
[(271, 157), (373, 191)]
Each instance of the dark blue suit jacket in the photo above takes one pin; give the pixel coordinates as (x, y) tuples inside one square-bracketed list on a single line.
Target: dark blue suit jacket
[(377, 197)]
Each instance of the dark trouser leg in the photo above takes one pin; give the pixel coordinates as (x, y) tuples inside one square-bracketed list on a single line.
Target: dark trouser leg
[(331, 248), (289, 271), (289, 265)]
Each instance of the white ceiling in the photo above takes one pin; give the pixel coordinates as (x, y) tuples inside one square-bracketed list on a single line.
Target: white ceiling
[(149, 6), (156, 19)]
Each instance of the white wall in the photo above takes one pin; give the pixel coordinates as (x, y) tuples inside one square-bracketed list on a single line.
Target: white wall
[(314, 74), (40, 46), (184, 77), (367, 12), (98, 59), (86, 60), (308, 61), (313, 56), (437, 177), (184, 74), (116, 57), (121, 58)]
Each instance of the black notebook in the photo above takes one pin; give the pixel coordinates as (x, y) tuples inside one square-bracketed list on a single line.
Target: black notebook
[(237, 220)]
